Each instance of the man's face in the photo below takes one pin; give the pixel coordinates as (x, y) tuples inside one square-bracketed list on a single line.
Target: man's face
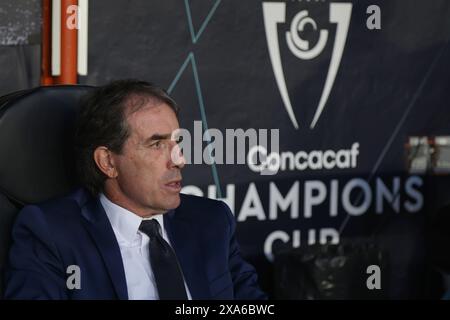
[(148, 180)]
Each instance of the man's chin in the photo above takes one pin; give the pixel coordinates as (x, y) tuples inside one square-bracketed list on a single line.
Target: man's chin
[(173, 202)]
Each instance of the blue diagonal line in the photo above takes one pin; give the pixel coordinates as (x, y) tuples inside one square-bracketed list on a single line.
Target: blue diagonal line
[(191, 58), (208, 17), (179, 73), (191, 26), (194, 36), (397, 128), (205, 124)]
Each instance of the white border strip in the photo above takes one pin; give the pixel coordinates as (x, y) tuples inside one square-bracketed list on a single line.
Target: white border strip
[(82, 55), (56, 37)]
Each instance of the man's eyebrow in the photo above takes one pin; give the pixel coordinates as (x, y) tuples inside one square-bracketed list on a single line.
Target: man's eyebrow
[(158, 136)]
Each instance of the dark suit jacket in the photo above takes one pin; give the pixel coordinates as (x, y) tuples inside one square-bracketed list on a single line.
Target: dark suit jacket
[(75, 230)]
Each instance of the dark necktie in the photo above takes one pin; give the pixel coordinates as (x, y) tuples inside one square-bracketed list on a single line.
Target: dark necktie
[(167, 272)]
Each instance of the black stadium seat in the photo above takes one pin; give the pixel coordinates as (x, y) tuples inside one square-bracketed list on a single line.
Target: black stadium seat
[(36, 161)]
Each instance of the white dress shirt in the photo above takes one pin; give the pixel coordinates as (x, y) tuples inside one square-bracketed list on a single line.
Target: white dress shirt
[(134, 248)]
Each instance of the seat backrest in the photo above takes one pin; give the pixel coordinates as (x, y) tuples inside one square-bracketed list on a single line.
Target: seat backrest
[(37, 161)]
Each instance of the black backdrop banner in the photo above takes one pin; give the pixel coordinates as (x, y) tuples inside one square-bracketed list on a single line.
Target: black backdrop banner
[(331, 82)]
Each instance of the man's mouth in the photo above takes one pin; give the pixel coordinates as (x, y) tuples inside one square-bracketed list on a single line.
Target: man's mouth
[(174, 186)]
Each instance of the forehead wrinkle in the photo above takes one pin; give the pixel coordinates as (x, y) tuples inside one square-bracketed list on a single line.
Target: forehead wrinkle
[(141, 135), (135, 103)]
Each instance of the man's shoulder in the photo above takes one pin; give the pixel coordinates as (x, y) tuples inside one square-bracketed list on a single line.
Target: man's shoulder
[(55, 220), (77, 197), (61, 207), (193, 199), (189, 201), (196, 206)]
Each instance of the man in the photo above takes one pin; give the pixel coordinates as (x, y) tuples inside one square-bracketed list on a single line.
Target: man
[(129, 234)]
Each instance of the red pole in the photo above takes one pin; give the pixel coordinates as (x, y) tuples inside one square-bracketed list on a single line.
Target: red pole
[(68, 43), (46, 75)]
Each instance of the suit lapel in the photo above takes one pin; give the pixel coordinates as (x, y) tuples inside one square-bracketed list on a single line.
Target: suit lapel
[(100, 229), (182, 235)]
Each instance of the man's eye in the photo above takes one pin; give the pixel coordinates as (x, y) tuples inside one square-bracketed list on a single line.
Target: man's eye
[(157, 144)]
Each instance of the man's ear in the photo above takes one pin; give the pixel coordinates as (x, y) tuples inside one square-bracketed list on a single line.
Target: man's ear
[(105, 161)]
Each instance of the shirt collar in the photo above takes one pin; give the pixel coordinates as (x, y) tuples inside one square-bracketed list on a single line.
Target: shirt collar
[(125, 222)]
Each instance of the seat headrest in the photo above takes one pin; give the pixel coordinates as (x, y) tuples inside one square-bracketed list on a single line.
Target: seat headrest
[(36, 129)]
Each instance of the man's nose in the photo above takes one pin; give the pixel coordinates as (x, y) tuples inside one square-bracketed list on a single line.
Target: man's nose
[(176, 157)]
